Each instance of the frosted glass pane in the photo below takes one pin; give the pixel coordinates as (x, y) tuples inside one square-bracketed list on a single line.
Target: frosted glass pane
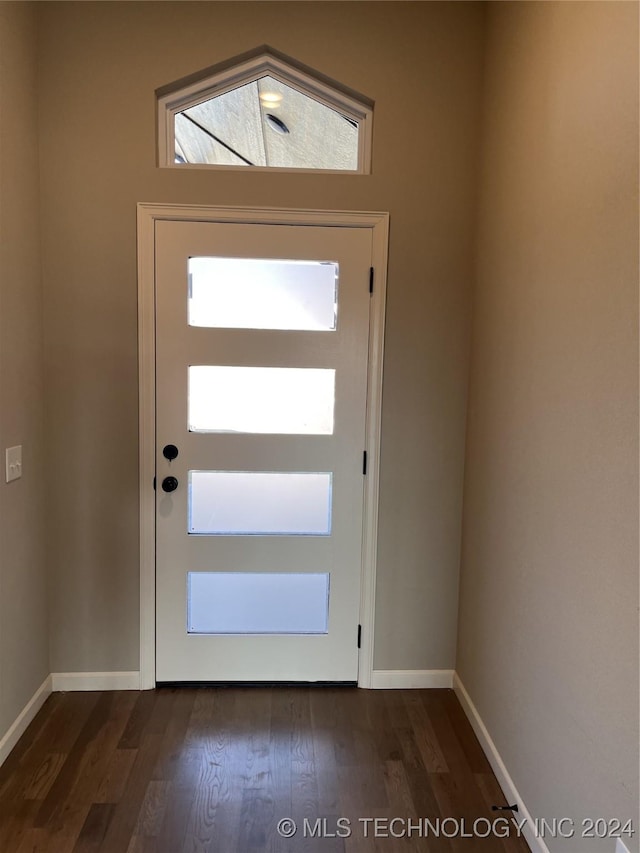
[(241, 293), (253, 603), (285, 400), (255, 502)]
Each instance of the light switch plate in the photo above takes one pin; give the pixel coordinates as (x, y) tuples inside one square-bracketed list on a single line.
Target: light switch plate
[(14, 462)]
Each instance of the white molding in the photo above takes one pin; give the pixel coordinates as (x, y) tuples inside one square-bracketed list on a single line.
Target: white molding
[(505, 781), (20, 724), (75, 681), (409, 679), (148, 215), (373, 433), (150, 212), (146, 441)]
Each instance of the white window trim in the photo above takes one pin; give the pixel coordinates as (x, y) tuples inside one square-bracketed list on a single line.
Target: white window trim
[(148, 215), (246, 72)]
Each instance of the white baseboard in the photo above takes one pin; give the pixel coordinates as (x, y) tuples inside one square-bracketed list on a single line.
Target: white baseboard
[(70, 681), (505, 781), (407, 679), (19, 726)]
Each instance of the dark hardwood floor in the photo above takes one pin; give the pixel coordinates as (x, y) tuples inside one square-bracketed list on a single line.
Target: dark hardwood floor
[(195, 770)]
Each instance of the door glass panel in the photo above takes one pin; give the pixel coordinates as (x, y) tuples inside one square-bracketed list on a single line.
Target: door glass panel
[(256, 603), (247, 293), (262, 503), (285, 400)]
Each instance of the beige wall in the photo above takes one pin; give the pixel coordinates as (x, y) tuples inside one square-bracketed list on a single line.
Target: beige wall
[(100, 65), (24, 654), (548, 627)]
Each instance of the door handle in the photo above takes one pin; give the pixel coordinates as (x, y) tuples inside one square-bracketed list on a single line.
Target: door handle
[(170, 452), (169, 484)]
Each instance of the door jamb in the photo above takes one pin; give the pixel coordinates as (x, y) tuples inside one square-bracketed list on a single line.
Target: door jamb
[(147, 216)]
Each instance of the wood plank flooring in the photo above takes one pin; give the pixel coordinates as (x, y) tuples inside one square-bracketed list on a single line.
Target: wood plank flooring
[(216, 769)]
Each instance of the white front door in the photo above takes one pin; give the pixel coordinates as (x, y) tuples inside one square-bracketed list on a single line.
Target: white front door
[(261, 391)]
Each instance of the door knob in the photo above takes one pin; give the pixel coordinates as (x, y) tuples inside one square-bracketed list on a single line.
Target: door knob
[(169, 484), (170, 452)]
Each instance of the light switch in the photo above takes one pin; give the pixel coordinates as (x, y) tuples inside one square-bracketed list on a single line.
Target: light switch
[(14, 462)]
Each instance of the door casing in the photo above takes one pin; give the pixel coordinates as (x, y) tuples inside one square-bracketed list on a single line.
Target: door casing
[(147, 216)]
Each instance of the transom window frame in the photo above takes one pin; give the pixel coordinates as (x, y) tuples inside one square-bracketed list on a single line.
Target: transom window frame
[(191, 91)]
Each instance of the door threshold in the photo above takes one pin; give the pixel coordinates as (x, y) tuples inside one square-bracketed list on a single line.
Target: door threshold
[(206, 684)]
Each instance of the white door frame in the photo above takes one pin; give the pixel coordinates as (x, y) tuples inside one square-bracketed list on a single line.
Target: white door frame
[(148, 215)]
